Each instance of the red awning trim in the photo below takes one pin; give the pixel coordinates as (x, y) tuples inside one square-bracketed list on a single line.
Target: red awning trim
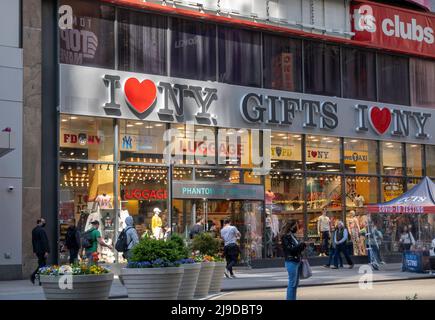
[(401, 209), (139, 4)]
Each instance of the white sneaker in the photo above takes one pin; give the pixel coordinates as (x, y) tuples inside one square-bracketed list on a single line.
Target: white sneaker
[(226, 273)]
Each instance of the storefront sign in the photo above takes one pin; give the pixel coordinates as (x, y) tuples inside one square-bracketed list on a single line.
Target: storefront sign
[(285, 152), (393, 28), (109, 93), (141, 143), (146, 194), (79, 139), (206, 190)]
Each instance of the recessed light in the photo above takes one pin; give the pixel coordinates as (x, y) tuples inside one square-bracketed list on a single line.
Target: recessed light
[(296, 136), (130, 125), (272, 136), (159, 124), (138, 123), (281, 134), (315, 140), (149, 127), (353, 141), (73, 118), (64, 120)]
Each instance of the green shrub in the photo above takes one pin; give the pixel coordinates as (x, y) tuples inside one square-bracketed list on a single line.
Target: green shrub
[(149, 249), (179, 241), (206, 244)]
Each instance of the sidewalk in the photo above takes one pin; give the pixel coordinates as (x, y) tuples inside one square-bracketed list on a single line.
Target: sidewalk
[(246, 279)]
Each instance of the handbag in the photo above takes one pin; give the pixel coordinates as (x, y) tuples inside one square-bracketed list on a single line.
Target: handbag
[(305, 269)]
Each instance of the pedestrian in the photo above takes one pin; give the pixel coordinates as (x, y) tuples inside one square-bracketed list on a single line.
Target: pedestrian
[(341, 236), (132, 237), (332, 251), (324, 229), (230, 234), (406, 241), (91, 239), (41, 247), (292, 252), (72, 242), (197, 228)]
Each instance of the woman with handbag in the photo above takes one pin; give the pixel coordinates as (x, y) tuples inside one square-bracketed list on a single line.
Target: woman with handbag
[(292, 251)]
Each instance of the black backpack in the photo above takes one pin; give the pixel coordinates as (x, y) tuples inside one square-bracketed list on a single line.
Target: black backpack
[(87, 241), (121, 244)]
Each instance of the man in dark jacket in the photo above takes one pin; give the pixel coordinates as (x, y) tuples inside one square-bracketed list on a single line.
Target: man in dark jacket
[(72, 242), (41, 247)]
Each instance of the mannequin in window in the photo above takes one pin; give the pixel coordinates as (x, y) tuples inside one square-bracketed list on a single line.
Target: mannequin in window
[(324, 231), (359, 201), (104, 201), (156, 224), (269, 196), (354, 229)]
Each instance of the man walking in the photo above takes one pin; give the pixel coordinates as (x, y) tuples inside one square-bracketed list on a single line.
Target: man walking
[(197, 228), (40, 245), (91, 240), (341, 237), (72, 242), (230, 234), (324, 229)]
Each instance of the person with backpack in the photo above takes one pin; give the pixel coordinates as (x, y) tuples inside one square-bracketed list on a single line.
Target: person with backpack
[(341, 236), (127, 239), (72, 242), (91, 239)]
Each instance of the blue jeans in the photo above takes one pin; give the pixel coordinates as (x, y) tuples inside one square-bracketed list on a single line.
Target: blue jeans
[(293, 278), (341, 248), (333, 258)]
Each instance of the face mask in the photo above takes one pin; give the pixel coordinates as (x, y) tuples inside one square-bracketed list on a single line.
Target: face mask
[(294, 229), (43, 225)]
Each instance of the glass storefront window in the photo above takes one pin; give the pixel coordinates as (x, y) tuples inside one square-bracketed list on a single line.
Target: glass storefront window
[(250, 177), (392, 188), (91, 40), (360, 156), (430, 161), (322, 153), (323, 191), (193, 50), (218, 175), (322, 68), (390, 68), (412, 182), (142, 42), (141, 141), (422, 78), (282, 63), (414, 160), (286, 151), (391, 158), (239, 49), (182, 174), (144, 188), (86, 194), (86, 138)]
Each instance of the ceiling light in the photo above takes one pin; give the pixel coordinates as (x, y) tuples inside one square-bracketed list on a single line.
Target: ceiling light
[(149, 127), (159, 124), (64, 120), (296, 136), (130, 125), (353, 141), (138, 123), (73, 118)]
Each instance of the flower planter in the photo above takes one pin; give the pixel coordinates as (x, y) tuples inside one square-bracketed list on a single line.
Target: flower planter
[(216, 280), (190, 279), (152, 283), (204, 280), (82, 287)]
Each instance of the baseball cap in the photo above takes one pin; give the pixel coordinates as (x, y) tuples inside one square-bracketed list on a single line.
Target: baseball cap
[(157, 210), (95, 222)]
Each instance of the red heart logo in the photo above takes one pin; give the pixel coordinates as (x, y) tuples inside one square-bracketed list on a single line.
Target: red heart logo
[(140, 95), (380, 119), (314, 154)]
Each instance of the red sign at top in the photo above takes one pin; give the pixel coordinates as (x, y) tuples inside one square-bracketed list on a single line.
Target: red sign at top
[(393, 28)]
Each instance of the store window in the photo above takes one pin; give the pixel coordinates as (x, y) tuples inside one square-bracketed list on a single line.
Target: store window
[(322, 153), (193, 50), (422, 77), (391, 158), (142, 42), (239, 57), (91, 40), (430, 161), (412, 182), (360, 156), (323, 191), (218, 175), (286, 151), (359, 74), (284, 200), (86, 138), (86, 194), (251, 177), (392, 188), (182, 173), (390, 69), (141, 141), (414, 160), (322, 68), (282, 63), (144, 188)]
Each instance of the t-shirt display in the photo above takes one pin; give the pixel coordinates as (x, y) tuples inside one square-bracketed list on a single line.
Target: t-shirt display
[(104, 201)]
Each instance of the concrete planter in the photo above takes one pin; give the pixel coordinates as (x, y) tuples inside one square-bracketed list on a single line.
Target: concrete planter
[(218, 275), (82, 287), (190, 279), (204, 280), (152, 283)]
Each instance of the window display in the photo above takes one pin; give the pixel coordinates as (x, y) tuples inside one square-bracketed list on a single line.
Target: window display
[(391, 158), (322, 153), (392, 188), (360, 156), (414, 160), (286, 151)]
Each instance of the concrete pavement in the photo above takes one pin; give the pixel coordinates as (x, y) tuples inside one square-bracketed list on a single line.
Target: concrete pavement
[(247, 279)]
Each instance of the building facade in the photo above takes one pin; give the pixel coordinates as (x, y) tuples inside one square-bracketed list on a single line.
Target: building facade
[(258, 111)]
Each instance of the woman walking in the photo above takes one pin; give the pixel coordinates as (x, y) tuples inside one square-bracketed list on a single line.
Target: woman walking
[(292, 250)]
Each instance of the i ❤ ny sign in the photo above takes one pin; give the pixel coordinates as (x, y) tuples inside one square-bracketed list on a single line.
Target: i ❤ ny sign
[(126, 95)]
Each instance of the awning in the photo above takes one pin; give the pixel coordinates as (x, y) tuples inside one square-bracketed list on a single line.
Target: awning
[(6, 143), (418, 200)]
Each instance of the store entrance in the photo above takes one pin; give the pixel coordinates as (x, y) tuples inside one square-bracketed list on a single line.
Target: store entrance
[(244, 214)]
